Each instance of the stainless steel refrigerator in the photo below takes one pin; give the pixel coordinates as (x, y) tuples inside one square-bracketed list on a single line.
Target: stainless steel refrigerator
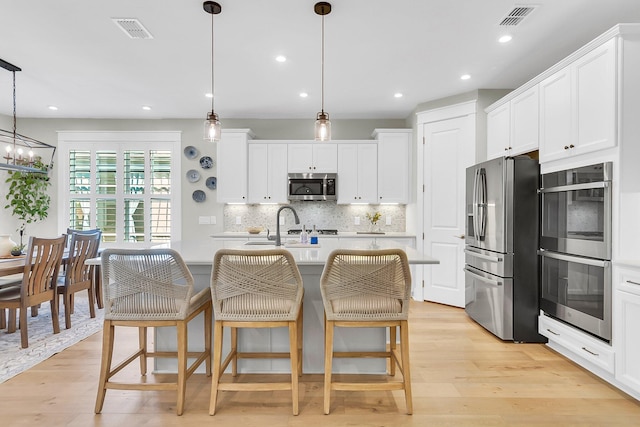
[(501, 242)]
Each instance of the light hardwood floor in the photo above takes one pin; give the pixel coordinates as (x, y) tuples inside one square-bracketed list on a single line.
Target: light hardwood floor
[(461, 374)]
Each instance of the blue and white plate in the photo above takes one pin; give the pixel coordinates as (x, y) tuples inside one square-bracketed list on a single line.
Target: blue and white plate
[(199, 196), (212, 182), (206, 162), (193, 175), (191, 152)]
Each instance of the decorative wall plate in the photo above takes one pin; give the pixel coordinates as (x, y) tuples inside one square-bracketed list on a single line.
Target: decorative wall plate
[(199, 196), (206, 162), (212, 182), (190, 152), (193, 175)]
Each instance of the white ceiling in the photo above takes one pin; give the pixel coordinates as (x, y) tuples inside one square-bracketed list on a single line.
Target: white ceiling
[(74, 57)]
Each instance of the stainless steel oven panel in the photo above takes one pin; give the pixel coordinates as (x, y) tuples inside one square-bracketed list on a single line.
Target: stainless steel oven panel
[(489, 301), (491, 262), (587, 243), (572, 297)]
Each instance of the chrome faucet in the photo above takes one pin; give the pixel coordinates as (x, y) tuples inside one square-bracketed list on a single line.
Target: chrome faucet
[(277, 236)]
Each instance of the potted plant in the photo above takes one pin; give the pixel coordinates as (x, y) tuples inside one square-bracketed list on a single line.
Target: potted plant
[(17, 250), (373, 220), (28, 196)]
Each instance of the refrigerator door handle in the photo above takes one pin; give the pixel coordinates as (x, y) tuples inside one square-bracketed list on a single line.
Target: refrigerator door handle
[(483, 256), (482, 279), (482, 202), (474, 205)]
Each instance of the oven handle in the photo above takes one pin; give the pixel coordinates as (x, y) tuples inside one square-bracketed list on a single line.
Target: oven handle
[(579, 260), (575, 187), (482, 279), (483, 256)]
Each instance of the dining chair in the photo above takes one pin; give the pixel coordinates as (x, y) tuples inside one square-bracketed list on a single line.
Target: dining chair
[(255, 289), (42, 263), (367, 289), (146, 288), (78, 276), (95, 270)]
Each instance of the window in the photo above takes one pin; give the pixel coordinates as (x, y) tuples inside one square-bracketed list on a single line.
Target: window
[(125, 183)]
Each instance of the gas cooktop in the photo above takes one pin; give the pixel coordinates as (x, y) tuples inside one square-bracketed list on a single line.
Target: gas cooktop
[(320, 231)]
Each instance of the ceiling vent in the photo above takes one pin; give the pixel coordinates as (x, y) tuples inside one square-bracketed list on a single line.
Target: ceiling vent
[(517, 15), (133, 28)]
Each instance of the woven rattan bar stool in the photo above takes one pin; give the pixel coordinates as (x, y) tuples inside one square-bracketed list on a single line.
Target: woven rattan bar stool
[(367, 289), (255, 289), (151, 288)]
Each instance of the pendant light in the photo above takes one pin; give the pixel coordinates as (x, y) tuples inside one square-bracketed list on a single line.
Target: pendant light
[(212, 124), (323, 125)]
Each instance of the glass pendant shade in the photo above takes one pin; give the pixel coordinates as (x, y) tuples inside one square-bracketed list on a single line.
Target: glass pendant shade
[(323, 127), (212, 127)]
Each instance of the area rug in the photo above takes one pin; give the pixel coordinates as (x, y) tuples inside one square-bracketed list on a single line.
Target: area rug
[(42, 342)]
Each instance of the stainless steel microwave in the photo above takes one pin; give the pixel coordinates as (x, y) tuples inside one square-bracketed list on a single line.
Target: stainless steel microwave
[(312, 186)]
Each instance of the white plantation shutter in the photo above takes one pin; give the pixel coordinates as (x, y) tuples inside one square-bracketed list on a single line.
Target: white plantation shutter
[(124, 187)]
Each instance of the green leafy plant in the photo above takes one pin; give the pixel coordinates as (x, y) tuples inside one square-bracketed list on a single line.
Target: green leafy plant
[(373, 218), (28, 195)]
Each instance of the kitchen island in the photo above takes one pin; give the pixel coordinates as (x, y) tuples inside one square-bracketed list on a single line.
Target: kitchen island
[(311, 259)]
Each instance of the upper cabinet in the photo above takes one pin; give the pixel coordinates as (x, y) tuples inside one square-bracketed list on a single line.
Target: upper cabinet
[(578, 105), (512, 128), (393, 165), (357, 173), (267, 174), (232, 165), (319, 157)]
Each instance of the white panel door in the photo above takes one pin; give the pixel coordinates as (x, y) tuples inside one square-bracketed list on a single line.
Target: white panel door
[(448, 151)]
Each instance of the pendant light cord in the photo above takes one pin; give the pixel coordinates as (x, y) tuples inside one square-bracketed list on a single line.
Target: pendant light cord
[(14, 109), (212, 71), (322, 74)]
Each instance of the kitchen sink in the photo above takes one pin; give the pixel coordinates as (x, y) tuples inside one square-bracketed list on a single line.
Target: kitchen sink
[(260, 242)]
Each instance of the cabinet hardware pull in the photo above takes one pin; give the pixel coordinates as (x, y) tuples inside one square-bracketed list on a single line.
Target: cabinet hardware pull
[(566, 147), (571, 145), (632, 282), (590, 352), (553, 332)]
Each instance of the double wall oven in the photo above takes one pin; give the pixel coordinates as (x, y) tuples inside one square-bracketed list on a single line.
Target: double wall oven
[(575, 247)]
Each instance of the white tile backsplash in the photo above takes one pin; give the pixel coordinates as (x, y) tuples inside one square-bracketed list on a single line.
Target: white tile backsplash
[(320, 214)]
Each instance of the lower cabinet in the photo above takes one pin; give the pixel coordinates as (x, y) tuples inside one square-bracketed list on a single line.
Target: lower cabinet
[(626, 321), (589, 352)]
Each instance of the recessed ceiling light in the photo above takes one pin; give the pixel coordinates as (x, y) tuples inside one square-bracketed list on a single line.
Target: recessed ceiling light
[(208, 95), (146, 108), (398, 95), (281, 58), (53, 108), (504, 39), (465, 77), (303, 94)]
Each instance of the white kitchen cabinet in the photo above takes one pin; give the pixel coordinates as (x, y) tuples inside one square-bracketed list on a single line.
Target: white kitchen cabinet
[(626, 320), (357, 173), (578, 105), (318, 157), (498, 132), (267, 174), (589, 352), (393, 165), (512, 128), (232, 165)]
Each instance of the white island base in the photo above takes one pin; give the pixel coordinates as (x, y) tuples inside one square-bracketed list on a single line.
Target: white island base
[(199, 257)]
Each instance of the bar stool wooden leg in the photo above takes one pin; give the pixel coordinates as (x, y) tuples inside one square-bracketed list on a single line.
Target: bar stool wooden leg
[(392, 348), (293, 350), (217, 361), (181, 327), (406, 370), (108, 335), (142, 343), (234, 351), (328, 362), (208, 321)]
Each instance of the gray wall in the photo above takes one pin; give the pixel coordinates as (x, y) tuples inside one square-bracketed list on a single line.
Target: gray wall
[(46, 130)]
